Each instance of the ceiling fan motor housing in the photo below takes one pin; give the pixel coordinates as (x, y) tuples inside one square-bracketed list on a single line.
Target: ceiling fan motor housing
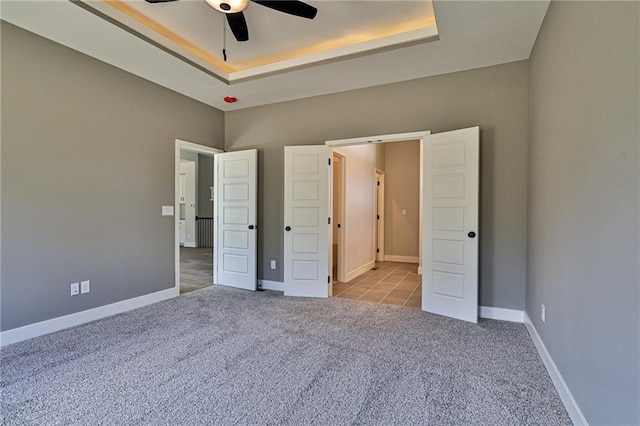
[(228, 6)]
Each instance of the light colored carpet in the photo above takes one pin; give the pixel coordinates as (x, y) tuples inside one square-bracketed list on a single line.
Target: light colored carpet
[(227, 356)]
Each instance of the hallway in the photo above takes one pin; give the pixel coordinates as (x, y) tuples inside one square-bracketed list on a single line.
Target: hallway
[(390, 283), (196, 268)]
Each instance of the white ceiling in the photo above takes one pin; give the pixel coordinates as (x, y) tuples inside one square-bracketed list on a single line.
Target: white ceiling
[(470, 35)]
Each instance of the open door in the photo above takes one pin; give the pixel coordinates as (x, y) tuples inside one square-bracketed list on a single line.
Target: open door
[(235, 216), (450, 243), (306, 219)]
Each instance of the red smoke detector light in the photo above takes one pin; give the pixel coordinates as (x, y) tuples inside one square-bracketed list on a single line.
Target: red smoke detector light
[(230, 99)]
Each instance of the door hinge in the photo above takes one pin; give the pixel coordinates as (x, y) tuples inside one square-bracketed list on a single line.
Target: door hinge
[(378, 183), (378, 217), (329, 161), (377, 250), (329, 279), (329, 220)]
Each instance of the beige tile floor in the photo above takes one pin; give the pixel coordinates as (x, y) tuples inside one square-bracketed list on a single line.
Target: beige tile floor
[(392, 283)]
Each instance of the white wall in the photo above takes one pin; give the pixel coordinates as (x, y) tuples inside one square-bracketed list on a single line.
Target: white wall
[(188, 168), (358, 225)]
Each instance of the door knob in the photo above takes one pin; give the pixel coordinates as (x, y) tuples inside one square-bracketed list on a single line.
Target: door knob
[(471, 234), (288, 228), (251, 226)]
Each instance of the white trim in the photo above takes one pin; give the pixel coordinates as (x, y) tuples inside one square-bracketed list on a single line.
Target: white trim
[(342, 235), (55, 324), (419, 270), (192, 245), (404, 259), (271, 285), (195, 147), (569, 402), (396, 137), (378, 223), (501, 314), (360, 270)]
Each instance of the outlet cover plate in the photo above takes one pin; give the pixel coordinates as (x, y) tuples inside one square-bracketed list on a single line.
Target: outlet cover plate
[(75, 289)]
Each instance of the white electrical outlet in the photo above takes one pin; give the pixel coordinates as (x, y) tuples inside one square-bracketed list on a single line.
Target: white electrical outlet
[(543, 313), (85, 286), (75, 289), (273, 264)]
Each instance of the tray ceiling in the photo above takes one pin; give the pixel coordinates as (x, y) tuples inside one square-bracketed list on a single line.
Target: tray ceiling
[(349, 45)]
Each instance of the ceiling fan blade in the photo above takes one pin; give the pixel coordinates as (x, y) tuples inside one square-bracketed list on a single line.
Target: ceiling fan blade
[(238, 26), (296, 8), (159, 1)]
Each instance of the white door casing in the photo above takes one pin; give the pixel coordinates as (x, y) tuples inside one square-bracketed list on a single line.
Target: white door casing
[(307, 233), (450, 243), (379, 220), (235, 214)]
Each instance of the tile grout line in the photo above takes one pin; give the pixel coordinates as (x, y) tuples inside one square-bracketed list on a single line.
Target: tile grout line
[(394, 287), (379, 281), (385, 296), (412, 293)]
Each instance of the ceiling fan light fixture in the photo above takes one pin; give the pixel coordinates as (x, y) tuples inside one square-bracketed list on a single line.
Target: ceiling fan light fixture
[(228, 6)]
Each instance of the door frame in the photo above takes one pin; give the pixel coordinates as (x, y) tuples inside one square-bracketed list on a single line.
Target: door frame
[(395, 137), (379, 211), (199, 149), (342, 253)]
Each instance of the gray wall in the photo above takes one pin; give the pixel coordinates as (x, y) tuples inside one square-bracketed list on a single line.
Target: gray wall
[(87, 163), (205, 180), (583, 203), (402, 192), (494, 98)]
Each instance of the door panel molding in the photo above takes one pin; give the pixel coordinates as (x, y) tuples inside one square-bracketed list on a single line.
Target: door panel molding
[(235, 216), (307, 233)]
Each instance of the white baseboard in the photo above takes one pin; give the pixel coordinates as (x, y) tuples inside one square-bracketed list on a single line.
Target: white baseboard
[(419, 270), (403, 259), (56, 324), (193, 245), (360, 270), (271, 285), (566, 397), (501, 314)]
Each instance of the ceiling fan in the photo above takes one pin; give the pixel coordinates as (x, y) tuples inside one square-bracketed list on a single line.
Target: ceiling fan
[(238, 24)]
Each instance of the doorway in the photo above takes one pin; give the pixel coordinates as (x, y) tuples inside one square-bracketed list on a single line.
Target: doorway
[(376, 271), (449, 211), (194, 186)]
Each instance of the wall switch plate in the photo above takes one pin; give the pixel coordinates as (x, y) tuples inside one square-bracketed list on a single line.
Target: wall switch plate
[(543, 313), (273, 264), (167, 210), (404, 212), (75, 289), (85, 286)]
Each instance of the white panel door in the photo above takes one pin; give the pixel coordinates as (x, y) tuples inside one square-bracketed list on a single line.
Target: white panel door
[(450, 242), (306, 220), (235, 217)]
